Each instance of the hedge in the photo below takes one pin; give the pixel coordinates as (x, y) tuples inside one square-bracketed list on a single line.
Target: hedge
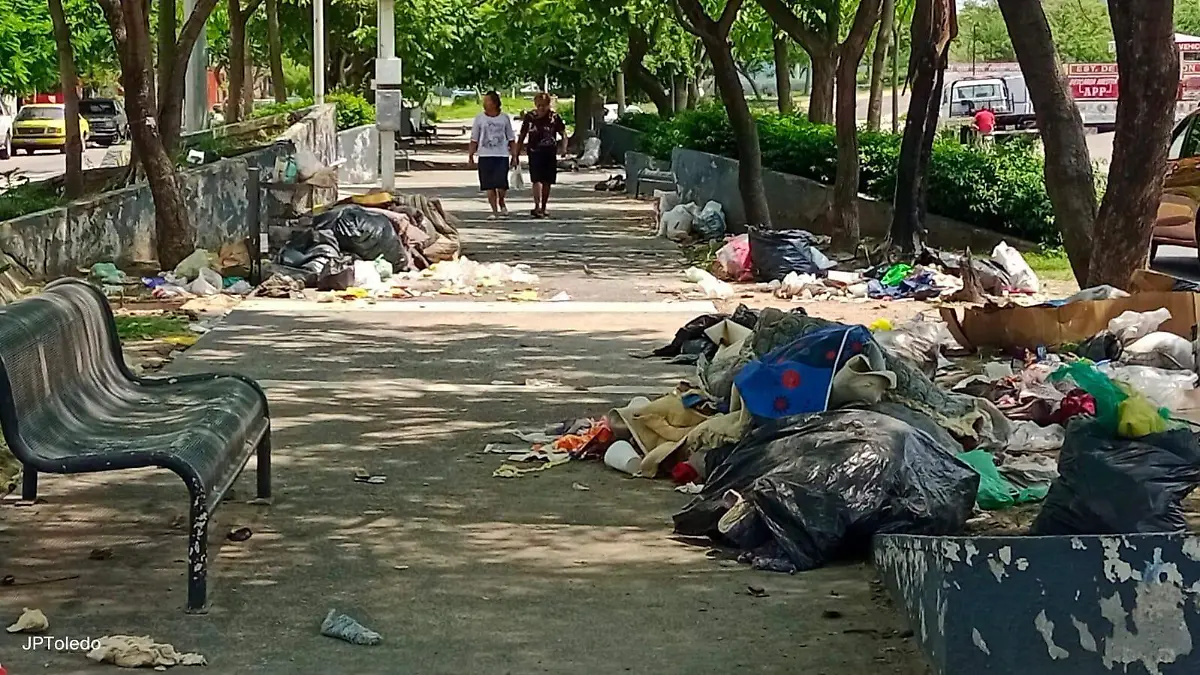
[(1002, 188), (352, 109)]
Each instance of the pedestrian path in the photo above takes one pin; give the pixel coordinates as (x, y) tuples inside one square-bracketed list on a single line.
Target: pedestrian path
[(571, 570)]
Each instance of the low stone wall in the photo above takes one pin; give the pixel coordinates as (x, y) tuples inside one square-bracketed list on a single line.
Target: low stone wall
[(634, 163), (795, 201), (358, 148), (118, 226), (616, 140)]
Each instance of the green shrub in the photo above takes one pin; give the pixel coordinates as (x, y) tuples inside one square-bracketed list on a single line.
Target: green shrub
[(28, 198), (353, 110), (566, 110), (639, 121), (1000, 188)]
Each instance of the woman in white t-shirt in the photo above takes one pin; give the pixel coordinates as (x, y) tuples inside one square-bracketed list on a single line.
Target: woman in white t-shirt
[(492, 138)]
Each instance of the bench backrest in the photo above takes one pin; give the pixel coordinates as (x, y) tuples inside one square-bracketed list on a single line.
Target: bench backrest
[(56, 348)]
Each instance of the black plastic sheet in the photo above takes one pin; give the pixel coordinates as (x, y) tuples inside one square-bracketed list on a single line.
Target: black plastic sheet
[(1109, 485), (775, 253), (820, 486), (364, 235), (690, 341)]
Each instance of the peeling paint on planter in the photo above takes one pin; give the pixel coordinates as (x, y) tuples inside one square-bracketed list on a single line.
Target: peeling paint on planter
[(1046, 628), (979, 641), (1085, 635)]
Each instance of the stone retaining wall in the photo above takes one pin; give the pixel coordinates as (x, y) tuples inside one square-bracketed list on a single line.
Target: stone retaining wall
[(118, 226)]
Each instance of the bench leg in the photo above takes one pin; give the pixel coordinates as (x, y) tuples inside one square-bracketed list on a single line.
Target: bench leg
[(263, 470), (29, 483), (197, 600)]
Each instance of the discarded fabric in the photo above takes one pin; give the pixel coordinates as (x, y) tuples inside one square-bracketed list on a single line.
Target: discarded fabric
[(343, 627), (798, 377), (127, 651)]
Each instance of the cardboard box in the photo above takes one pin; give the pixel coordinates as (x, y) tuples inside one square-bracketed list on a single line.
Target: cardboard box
[(1031, 327)]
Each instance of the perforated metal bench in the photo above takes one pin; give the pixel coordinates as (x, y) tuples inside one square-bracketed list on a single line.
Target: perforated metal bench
[(70, 404)]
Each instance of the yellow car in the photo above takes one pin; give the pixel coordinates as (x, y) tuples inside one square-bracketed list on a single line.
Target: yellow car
[(43, 126)]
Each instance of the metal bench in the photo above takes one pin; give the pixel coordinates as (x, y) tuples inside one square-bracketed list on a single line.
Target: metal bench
[(664, 180), (70, 404)]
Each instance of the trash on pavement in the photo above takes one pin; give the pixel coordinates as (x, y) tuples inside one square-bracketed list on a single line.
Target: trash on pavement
[(1020, 273), (189, 268), (361, 475), (343, 627), (676, 224), (1130, 326), (819, 487), (1160, 350), (623, 457), (709, 224), (30, 621), (995, 491), (128, 651), (1108, 485), (734, 259), (710, 286), (107, 274), (776, 252)]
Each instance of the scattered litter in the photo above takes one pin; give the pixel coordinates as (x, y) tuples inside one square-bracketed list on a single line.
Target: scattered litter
[(710, 286), (400, 568), (623, 457), (528, 295), (107, 274), (580, 487), (361, 475), (30, 621), (343, 627), (1020, 273), (189, 268), (775, 253), (709, 224), (127, 651), (757, 592), (510, 471), (734, 259), (240, 534), (561, 296), (690, 488), (100, 553), (535, 383)]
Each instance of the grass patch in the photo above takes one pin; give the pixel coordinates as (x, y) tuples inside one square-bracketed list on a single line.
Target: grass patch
[(466, 108), (152, 327), (1050, 263)]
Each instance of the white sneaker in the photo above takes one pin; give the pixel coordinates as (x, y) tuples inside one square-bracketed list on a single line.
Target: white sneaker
[(504, 211), (492, 216)]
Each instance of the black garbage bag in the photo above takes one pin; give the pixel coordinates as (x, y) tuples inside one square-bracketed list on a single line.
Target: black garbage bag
[(775, 253), (690, 341), (1109, 485), (818, 487), (362, 234), (992, 276)]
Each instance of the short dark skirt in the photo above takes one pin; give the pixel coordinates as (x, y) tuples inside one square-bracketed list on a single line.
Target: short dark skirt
[(493, 173), (543, 167)]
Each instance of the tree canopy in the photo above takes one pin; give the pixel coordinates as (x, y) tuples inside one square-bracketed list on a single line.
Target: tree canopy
[(27, 54)]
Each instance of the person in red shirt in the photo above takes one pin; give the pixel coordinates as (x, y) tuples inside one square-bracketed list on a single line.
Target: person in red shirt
[(985, 121)]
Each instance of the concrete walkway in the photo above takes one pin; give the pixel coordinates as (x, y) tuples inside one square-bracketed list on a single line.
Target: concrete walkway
[(461, 572)]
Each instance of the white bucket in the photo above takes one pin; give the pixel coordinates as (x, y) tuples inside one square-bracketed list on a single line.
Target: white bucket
[(622, 457)]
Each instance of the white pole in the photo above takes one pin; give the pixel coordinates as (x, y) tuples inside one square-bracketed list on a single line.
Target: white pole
[(318, 51), (621, 91), (387, 139), (195, 84)]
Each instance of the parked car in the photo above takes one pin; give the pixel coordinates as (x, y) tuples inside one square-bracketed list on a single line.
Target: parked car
[(43, 126), (1176, 222), (107, 119), (610, 111), (6, 130)]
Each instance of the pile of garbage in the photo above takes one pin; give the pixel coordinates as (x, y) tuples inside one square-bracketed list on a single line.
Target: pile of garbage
[(395, 234), (800, 438), (685, 223)]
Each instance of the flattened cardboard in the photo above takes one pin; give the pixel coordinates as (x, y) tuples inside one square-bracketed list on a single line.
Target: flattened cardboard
[(1031, 327)]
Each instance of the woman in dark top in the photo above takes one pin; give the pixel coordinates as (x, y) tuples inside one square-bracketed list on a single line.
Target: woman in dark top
[(547, 138)]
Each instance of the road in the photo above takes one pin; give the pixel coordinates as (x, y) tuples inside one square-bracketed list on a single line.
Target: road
[(48, 163)]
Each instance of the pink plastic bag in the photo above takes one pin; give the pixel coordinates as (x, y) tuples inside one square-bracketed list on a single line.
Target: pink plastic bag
[(734, 258)]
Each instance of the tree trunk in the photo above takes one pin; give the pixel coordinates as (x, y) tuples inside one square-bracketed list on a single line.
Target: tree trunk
[(824, 71), (170, 105), (587, 102), (895, 79), (1149, 65), (248, 91), (879, 64), (237, 63), (275, 52), (173, 232), (693, 93), (745, 132), (934, 26), (70, 93), (642, 78), (167, 27), (783, 75), (844, 202), (1069, 180), (680, 91), (749, 80)]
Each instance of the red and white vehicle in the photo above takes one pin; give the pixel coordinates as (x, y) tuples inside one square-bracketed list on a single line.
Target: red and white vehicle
[(1095, 86)]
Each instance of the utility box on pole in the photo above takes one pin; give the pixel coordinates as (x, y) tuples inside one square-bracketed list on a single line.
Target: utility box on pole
[(387, 94)]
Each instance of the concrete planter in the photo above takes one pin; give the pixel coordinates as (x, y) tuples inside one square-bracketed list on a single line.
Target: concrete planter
[(635, 162), (616, 140), (795, 201), (1049, 605), (118, 226)]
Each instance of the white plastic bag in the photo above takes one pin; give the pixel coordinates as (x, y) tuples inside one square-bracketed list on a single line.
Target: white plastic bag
[(202, 287), (1028, 437), (1161, 350), (516, 179), (710, 222), (591, 152), (713, 288), (1019, 271), (1165, 388), (1130, 325), (212, 277), (366, 275), (676, 224)]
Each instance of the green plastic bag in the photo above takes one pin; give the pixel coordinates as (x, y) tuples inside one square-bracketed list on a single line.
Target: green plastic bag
[(995, 491), (1120, 411), (895, 274)]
